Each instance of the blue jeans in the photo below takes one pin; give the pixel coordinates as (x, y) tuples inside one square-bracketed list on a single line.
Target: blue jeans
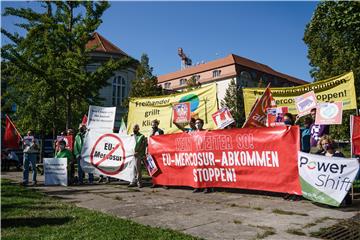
[(29, 158), (80, 173)]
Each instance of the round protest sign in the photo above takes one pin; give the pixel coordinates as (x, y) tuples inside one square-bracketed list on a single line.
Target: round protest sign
[(108, 154)]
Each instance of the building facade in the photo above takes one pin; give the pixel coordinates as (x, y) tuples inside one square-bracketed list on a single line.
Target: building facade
[(245, 72), (119, 85)]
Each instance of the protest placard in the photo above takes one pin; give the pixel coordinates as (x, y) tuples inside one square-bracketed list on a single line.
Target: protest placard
[(109, 154), (275, 116), (249, 158), (329, 113), (101, 117), (181, 112), (305, 103), (142, 111), (55, 171), (338, 89), (223, 118), (150, 165), (326, 179), (355, 134)]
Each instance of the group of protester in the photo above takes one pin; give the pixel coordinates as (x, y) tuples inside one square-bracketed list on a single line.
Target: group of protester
[(73, 155), (313, 139)]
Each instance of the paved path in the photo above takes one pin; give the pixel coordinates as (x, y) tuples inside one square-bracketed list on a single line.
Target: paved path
[(219, 215)]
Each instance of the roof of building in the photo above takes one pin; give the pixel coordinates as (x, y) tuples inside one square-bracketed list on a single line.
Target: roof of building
[(228, 60), (103, 45)]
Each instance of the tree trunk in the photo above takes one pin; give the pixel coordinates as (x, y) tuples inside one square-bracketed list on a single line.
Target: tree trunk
[(68, 112)]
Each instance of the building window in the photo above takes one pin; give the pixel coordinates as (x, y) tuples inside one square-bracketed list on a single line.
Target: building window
[(182, 81), (118, 90), (216, 73), (167, 85), (245, 78), (196, 77)]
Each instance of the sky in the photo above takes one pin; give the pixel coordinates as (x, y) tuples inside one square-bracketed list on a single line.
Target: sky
[(267, 32)]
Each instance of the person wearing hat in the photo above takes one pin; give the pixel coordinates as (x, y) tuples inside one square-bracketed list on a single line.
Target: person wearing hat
[(79, 142), (65, 153)]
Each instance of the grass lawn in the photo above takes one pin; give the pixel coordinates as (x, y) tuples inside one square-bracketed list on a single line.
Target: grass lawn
[(29, 214)]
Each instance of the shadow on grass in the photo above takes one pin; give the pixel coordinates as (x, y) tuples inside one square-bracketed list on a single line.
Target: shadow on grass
[(9, 207), (33, 222)]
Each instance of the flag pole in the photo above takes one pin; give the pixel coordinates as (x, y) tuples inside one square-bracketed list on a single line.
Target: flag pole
[(14, 127)]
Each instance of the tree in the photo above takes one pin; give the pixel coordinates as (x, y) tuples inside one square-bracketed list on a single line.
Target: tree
[(145, 83), (46, 68), (234, 101), (192, 83), (333, 41)]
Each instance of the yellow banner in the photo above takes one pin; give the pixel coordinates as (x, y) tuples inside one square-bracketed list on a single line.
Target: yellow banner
[(335, 89), (203, 103)]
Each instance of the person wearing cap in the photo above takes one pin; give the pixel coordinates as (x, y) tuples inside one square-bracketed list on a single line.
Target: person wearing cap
[(65, 153), (79, 142)]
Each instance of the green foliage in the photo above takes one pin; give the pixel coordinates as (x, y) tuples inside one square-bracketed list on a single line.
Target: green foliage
[(46, 69), (145, 83), (333, 42), (235, 102), (192, 84)]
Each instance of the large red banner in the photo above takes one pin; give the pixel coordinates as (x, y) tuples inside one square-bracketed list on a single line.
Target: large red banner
[(248, 158), (355, 138)]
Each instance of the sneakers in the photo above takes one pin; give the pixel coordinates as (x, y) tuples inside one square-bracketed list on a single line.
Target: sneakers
[(34, 183), (153, 186), (132, 185), (196, 190), (100, 179), (139, 185), (208, 190)]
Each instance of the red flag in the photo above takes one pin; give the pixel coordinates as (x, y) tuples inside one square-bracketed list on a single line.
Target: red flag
[(11, 135), (355, 136), (84, 120), (257, 117)]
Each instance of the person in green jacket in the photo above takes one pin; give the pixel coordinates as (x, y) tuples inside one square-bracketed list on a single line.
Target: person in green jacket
[(65, 153), (140, 149), (79, 141)]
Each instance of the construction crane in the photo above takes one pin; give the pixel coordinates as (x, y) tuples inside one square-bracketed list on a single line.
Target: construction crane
[(185, 61)]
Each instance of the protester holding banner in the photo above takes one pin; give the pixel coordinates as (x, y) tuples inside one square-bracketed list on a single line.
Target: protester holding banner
[(140, 149), (199, 123), (305, 135), (182, 128), (317, 130), (79, 141), (31, 147), (327, 148), (288, 119), (65, 153), (155, 128)]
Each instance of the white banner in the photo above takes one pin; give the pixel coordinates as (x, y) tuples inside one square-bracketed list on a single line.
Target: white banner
[(55, 171), (326, 179), (109, 154), (101, 117)]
